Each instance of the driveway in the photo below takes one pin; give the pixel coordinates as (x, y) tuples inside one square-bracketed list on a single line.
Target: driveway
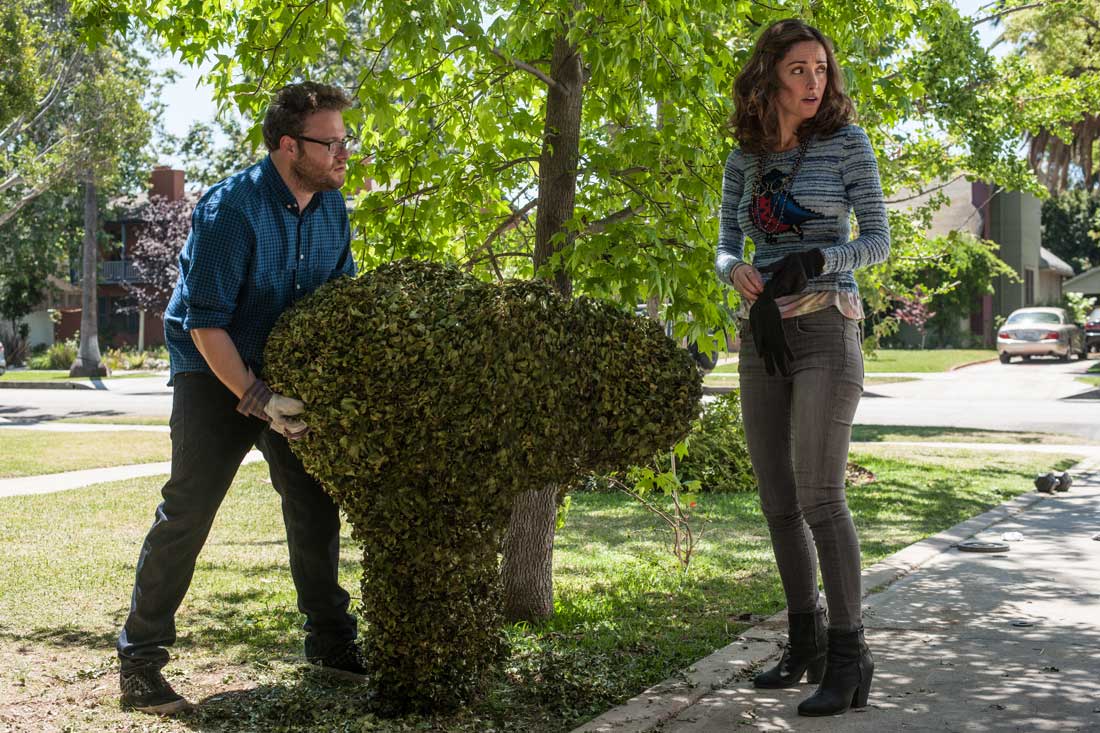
[(1041, 395)]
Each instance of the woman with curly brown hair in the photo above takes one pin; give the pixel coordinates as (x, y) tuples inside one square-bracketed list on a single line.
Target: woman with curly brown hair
[(800, 169)]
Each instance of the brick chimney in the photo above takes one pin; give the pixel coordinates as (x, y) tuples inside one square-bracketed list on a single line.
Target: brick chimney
[(167, 183)]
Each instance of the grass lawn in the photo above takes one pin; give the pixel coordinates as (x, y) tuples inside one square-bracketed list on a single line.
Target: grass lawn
[(54, 375), (907, 360), (34, 452), (884, 433), (625, 619), (926, 360), (732, 380), (120, 420), (1093, 377)]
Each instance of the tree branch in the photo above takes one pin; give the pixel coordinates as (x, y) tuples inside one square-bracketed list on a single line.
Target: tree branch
[(600, 225), (521, 65), (1018, 8), (926, 191), (274, 50), (524, 66)]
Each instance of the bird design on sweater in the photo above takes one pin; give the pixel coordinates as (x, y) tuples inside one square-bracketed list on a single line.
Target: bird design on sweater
[(777, 211)]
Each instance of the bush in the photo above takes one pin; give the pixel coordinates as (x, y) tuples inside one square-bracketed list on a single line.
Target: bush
[(717, 455), (434, 399), (129, 358), (60, 355)]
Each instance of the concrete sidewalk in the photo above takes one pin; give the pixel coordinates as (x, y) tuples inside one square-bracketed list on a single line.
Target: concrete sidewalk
[(49, 483), (962, 641)]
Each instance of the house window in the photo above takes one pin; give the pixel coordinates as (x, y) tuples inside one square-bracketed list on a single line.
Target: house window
[(1029, 286)]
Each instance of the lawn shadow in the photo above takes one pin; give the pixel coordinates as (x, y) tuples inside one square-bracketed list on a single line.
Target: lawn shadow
[(65, 636), (306, 702)]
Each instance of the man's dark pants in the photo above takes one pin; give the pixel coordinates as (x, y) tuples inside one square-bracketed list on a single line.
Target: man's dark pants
[(209, 441)]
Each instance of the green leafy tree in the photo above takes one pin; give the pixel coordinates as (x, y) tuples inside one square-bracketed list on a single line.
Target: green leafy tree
[(38, 63), (206, 159), (584, 143), (1062, 39), (39, 242), (108, 104), (1071, 227)]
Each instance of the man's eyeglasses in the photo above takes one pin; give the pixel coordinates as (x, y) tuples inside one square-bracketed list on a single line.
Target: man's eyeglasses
[(332, 146)]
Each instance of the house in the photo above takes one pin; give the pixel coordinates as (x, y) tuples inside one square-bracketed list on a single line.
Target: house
[(116, 269), (1013, 220), (1087, 283), (1054, 273)]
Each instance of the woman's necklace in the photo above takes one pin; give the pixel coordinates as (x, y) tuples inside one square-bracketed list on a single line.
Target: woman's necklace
[(784, 191)]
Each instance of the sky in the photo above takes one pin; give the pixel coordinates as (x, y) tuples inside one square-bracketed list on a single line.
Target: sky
[(188, 100)]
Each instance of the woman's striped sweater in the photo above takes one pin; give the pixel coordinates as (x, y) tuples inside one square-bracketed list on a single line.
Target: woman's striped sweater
[(838, 175)]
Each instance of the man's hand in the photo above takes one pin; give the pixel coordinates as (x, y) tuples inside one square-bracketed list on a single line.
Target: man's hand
[(793, 272), (259, 401), (282, 410)]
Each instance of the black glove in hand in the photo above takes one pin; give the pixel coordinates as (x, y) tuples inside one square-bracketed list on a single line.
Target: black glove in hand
[(793, 272), (767, 335)]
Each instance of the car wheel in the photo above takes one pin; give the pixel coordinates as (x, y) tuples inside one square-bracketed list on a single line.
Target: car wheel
[(1026, 357), (1005, 358)]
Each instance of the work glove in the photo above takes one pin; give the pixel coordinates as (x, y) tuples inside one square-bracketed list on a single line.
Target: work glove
[(259, 401), (790, 274), (766, 324)]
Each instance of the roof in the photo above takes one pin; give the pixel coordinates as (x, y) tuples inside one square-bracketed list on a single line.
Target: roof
[(1050, 261), (1087, 282), (1040, 309)]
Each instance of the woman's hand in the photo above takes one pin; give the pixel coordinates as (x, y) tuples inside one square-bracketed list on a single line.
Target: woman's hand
[(747, 281)]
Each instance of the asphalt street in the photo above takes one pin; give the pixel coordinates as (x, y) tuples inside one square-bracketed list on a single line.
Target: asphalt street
[(1041, 395)]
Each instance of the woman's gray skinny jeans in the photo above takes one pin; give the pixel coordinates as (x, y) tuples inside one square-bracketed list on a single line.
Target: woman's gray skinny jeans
[(798, 429)]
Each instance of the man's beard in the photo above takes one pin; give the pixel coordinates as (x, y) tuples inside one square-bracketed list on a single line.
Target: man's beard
[(312, 177)]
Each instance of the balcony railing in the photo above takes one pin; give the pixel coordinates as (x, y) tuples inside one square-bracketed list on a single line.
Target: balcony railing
[(117, 271)]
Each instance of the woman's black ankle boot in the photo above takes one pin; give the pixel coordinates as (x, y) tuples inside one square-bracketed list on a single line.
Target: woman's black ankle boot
[(848, 671), (804, 655)]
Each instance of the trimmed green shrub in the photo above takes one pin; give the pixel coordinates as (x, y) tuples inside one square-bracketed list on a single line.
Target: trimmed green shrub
[(717, 454), (433, 400)]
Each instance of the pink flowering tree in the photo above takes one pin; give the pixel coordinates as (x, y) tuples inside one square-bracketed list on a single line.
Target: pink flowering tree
[(164, 228), (914, 310)]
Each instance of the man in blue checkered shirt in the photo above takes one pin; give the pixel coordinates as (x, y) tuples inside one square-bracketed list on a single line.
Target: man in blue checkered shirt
[(260, 240)]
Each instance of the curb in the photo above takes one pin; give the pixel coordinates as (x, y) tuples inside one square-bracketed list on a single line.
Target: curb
[(971, 363), (59, 384), (755, 645)]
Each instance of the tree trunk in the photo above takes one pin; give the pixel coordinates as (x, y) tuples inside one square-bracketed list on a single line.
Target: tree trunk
[(527, 572), (558, 162), (527, 569), (88, 361)]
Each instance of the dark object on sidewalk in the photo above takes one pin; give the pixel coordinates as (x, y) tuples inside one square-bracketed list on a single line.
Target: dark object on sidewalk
[(849, 668), (1064, 481), (804, 655), (1046, 483), (979, 546)]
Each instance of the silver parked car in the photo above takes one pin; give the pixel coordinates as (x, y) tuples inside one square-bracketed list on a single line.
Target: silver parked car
[(1032, 332)]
